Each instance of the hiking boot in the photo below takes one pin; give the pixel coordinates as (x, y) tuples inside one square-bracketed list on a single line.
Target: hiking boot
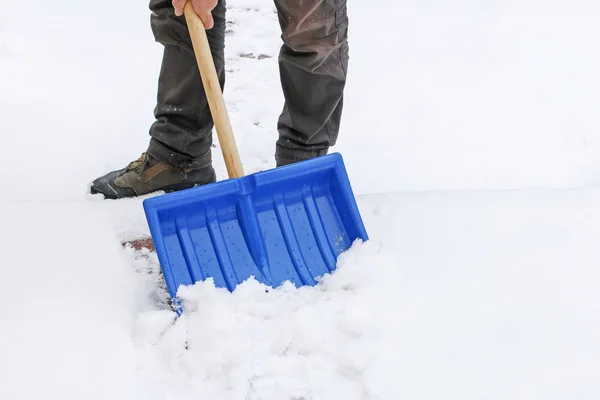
[(148, 174)]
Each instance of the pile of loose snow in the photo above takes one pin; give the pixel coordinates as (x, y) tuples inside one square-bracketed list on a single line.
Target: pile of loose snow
[(319, 342)]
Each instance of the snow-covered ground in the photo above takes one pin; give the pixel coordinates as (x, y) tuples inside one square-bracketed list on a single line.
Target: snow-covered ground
[(473, 146)]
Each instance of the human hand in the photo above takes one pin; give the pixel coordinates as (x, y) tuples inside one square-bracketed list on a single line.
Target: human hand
[(202, 7)]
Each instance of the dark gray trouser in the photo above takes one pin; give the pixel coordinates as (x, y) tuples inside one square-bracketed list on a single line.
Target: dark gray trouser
[(313, 62)]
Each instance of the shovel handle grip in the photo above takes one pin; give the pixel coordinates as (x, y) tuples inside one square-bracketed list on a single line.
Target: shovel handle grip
[(213, 91)]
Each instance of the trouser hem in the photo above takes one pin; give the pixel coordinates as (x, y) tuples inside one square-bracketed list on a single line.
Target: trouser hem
[(165, 154), (284, 155)]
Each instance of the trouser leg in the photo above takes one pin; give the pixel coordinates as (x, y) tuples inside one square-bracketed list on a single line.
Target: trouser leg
[(313, 63), (182, 132)]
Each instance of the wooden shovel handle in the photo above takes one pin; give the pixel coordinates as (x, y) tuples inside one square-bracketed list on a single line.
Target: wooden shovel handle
[(213, 92)]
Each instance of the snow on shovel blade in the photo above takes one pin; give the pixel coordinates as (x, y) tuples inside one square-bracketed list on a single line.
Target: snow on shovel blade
[(286, 224)]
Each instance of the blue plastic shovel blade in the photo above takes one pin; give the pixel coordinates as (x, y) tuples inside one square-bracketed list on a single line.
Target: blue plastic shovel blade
[(286, 224)]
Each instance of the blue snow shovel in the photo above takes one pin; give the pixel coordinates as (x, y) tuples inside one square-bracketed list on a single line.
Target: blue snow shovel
[(285, 224)]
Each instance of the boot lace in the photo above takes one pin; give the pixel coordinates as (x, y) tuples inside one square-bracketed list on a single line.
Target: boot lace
[(137, 163)]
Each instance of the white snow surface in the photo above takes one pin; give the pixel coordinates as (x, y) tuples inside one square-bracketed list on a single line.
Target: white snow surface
[(472, 141)]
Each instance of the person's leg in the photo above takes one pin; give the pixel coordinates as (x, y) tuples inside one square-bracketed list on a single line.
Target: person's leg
[(178, 155), (313, 62), (182, 133)]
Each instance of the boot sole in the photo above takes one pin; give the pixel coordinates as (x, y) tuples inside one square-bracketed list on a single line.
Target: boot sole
[(167, 189)]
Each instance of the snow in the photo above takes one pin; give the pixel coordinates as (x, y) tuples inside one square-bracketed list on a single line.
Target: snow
[(473, 95), (68, 299), (287, 343), (471, 138)]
